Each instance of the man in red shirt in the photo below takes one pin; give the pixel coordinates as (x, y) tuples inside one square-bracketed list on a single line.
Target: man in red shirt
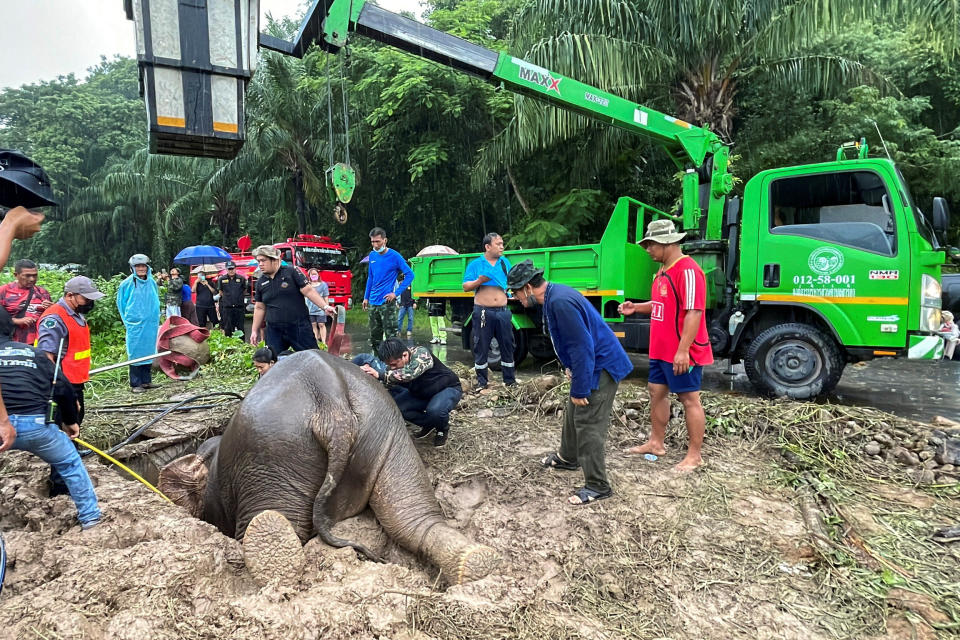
[(679, 345), (25, 301)]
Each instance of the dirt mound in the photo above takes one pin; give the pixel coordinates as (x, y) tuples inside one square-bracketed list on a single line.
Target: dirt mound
[(727, 552)]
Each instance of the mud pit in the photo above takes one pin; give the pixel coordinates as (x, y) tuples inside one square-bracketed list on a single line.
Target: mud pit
[(722, 553)]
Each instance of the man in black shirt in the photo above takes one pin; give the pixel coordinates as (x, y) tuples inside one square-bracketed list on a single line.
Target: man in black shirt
[(233, 289), (279, 298), (425, 389), (26, 375), (205, 289)]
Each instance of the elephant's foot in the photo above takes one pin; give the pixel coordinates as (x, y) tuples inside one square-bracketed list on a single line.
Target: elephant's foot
[(475, 562), (271, 549), (459, 559)]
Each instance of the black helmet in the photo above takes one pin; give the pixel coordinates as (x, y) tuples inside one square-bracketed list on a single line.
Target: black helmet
[(521, 274), (23, 183)]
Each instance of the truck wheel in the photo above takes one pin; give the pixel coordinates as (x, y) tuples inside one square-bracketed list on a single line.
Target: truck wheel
[(794, 360)]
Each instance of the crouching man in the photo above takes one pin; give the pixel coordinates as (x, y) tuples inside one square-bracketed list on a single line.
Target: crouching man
[(26, 375), (425, 389)]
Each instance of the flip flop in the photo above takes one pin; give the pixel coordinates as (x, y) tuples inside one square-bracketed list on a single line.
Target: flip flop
[(587, 496), (554, 461)]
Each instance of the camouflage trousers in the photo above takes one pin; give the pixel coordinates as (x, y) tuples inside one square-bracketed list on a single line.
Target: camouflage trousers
[(383, 323)]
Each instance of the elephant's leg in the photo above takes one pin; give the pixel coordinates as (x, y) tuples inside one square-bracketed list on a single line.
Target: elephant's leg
[(338, 452), (404, 503), (272, 551)]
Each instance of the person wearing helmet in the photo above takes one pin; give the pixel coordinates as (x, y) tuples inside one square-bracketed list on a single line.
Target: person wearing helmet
[(595, 363), (138, 300), (24, 188)]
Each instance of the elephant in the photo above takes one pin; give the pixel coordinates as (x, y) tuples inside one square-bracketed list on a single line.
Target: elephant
[(314, 442)]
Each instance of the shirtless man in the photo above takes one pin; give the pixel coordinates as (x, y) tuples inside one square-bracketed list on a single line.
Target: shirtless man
[(487, 277), (679, 346)]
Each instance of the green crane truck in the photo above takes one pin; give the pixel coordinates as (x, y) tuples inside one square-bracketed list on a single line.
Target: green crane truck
[(816, 266)]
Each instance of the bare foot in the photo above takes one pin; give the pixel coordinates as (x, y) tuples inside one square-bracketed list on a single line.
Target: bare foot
[(688, 464), (646, 447)]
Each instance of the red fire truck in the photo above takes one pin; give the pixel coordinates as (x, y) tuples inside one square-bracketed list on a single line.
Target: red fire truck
[(306, 251)]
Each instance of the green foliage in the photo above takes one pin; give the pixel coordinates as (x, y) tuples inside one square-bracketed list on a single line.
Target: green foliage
[(561, 220), (443, 158)]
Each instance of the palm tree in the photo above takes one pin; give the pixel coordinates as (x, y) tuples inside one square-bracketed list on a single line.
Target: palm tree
[(287, 129), (137, 203), (697, 52)]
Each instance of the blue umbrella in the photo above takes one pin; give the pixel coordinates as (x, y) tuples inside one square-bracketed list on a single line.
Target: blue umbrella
[(201, 254)]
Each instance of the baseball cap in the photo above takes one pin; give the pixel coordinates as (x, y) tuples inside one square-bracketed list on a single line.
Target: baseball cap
[(23, 183), (83, 286), (267, 251), (231, 264)]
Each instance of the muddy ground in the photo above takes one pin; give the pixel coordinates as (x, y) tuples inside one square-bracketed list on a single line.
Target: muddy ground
[(780, 535)]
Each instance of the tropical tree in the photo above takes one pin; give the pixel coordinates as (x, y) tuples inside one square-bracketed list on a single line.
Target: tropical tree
[(145, 204), (691, 58)]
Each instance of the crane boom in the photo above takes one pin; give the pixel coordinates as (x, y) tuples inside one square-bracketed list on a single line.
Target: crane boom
[(329, 22)]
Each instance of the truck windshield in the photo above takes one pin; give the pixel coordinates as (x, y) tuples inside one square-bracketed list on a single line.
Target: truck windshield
[(923, 225), (322, 258)]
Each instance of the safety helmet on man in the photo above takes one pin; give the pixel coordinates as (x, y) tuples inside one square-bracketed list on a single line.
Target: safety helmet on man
[(138, 258), (521, 274)]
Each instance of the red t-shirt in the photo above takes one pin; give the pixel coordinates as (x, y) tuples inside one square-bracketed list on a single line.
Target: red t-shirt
[(12, 298), (676, 290)]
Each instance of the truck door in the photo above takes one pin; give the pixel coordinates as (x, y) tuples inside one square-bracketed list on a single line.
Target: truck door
[(832, 241)]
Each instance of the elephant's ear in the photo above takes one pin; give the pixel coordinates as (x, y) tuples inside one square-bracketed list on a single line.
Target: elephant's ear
[(184, 481)]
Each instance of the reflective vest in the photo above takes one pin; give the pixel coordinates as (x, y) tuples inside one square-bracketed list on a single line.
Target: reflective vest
[(76, 361)]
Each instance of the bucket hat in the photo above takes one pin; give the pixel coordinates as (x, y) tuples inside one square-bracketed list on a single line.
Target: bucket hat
[(662, 232), (267, 251), (521, 274)]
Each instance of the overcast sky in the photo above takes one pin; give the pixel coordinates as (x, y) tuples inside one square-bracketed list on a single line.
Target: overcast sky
[(43, 39)]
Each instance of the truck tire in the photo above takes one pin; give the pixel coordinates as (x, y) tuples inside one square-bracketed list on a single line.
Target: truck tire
[(795, 360)]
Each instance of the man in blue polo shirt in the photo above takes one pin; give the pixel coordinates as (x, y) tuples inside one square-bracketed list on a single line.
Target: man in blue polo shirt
[(487, 276), (595, 363), (385, 268)]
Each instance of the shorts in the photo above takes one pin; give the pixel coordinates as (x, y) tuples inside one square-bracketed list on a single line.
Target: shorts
[(318, 318), (661, 372)]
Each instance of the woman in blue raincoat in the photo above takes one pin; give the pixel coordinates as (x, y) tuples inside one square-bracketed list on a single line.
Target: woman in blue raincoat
[(138, 300)]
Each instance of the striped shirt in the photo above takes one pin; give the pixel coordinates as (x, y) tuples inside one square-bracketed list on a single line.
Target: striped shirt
[(677, 289)]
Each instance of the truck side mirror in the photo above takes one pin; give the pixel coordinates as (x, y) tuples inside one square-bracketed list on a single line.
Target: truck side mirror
[(941, 219)]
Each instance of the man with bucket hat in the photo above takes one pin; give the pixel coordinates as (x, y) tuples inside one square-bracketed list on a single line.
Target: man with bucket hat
[(679, 344), (24, 188), (279, 295), (595, 363)]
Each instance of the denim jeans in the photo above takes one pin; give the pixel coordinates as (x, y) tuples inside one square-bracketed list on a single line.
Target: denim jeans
[(373, 361), (408, 313), (53, 446), (433, 413)]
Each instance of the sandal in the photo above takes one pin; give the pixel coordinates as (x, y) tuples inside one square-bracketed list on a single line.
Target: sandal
[(584, 495), (554, 461)]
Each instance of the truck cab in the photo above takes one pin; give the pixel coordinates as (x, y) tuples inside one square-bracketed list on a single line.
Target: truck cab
[(306, 251), (837, 265)]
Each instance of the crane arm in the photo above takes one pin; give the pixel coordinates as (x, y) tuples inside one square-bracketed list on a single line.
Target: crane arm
[(329, 23)]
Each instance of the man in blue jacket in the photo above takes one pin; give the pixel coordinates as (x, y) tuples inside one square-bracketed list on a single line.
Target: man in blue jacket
[(595, 363), (385, 268)]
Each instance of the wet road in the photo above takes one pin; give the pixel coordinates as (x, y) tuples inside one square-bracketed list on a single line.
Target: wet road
[(914, 389)]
